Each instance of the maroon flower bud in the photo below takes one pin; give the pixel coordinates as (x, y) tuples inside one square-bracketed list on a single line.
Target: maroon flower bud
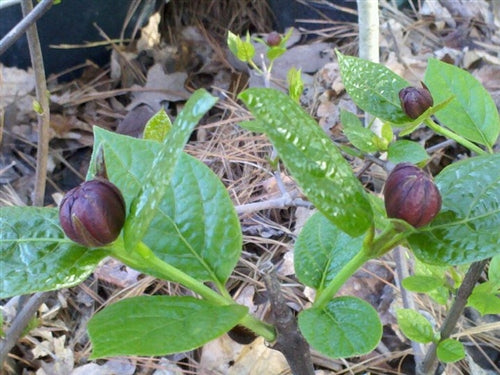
[(93, 213), (242, 335), (411, 195), (415, 101), (273, 39)]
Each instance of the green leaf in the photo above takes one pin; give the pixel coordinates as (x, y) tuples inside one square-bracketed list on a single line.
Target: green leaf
[(406, 151), (473, 113), (233, 42), (295, 83), (373, 87), (466, 229), (321, 250), (414, 326), (274, 52), (252, 125), (484, 298), (142, 209), (421, 284), (359, 136), (243, 50), (158, 126), (35, 255), (159, 325), (441, 295), (313, 160), (346, 327), (450, 350), (195, 227), (494, 269)]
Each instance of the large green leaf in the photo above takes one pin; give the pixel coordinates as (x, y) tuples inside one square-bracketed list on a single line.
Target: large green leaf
[(472, 113), (36, 256), (346, 327), (159, 325), (313, 160), (321, 250), (142, 209), (374, 88), (467, 228), (195, 227)]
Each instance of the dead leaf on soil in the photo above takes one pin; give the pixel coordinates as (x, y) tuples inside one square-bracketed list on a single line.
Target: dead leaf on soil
[(225, 357), (160, 88)]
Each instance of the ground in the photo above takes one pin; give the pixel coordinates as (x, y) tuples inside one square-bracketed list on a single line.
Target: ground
[(178, 52)]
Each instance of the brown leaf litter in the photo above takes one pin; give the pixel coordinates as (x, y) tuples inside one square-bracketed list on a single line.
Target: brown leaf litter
[(182, 51)]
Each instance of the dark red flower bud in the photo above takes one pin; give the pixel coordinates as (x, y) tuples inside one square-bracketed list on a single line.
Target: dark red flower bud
[(415, 101), (411, 195), (93, 213), (242, 335), (273, 39)]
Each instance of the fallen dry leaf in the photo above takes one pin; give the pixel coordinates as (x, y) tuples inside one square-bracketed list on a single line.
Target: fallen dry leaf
[(160, 88)]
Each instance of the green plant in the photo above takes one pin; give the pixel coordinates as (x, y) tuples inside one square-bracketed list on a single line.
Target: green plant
[(181, 225)]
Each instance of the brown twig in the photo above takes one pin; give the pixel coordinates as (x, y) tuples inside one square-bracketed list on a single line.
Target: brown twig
[(41, 94), (464, 291), (408, 302), (33, 303), (18, 30), (20, 323), (290, 341)]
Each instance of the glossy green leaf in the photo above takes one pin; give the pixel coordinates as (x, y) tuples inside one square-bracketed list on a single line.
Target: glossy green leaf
[(406, 151), (252, 125), (313, 160), (421, 284), (359, 136), (159, 325), (414, 326), (346, 327), (321, 250), (158, 126), (142, 209), (450, 350), (195, 227), (35, 255), (467, 227), (473, 113), (373, 87)]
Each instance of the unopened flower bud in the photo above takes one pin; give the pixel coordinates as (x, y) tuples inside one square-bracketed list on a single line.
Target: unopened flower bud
[(93, 213), (415, 101), (242, 335), (411, 195), (273, 39)]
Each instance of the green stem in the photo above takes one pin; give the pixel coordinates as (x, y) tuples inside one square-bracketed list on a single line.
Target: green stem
[(372, 248), (459, 139), (144, 260), (388, 240), (347, 271)]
